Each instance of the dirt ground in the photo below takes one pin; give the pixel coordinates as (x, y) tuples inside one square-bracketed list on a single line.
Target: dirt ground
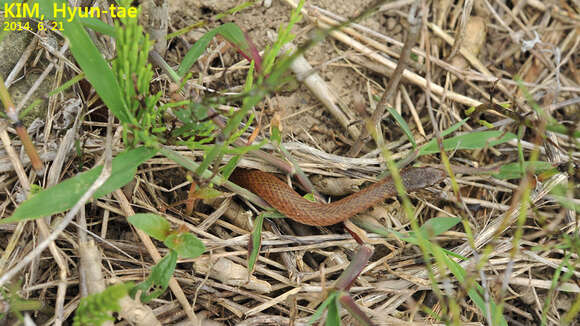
[(345, 83)]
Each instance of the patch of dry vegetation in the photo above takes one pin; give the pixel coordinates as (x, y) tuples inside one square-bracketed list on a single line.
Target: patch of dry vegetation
[(349, 112)]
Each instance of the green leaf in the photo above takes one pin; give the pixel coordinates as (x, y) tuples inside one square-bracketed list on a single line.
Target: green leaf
[(229, 168), (67, 84), (154, 225), (249, 78), (432, 228), (559, 194), (474, 293), (244, 149), (451, 129), (512, 170), (158, 280), (66, 194), (473, 140), (209, 157), (333, 318), (320, 310), (89, 58), (124, 169), (404, 126), (229, 31), (437, 225), (98, 26), (55, 199), (276, 137), (255, 242), (190, 165), (186, 245), (207, 193), (232, 11), (561, 129)]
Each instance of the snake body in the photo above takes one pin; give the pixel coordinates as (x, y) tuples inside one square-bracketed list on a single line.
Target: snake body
[(280, 196)]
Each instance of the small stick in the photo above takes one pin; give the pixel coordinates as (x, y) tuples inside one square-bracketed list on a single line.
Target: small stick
[(392, 86), (12, 113)]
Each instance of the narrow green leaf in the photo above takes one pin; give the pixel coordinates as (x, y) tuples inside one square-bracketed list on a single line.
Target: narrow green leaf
[(249, 78), (55, 199), (276, 137), (234, 10), (451, 129), (207, 193), (230, 31), (561, 129), (229, 168), (189, 164), (124, 169), (433, 227), (67, 84), (64, 195), (320, 310), (255, 242), (404, 126), (210, 156), (195, 52), (186, 245), (437, 225), (566, 202), (235, 35), (474, 293), (244, 149), (473, 140), (154, 225), (89, 58), (333, 318), (98, 25), (513, 170)]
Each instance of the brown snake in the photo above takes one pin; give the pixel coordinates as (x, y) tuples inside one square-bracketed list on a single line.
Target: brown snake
[(280, 196)]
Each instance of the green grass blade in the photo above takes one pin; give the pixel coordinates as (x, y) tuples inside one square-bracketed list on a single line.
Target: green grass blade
[(473, 140), (404, 126), (64, 195), (333, 317), (320, 310), (90, 59), (124, 169), (437, 225), (229, 31), (474, 293), (98, 26), (255, 242), (513, 170), (67, 84)]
